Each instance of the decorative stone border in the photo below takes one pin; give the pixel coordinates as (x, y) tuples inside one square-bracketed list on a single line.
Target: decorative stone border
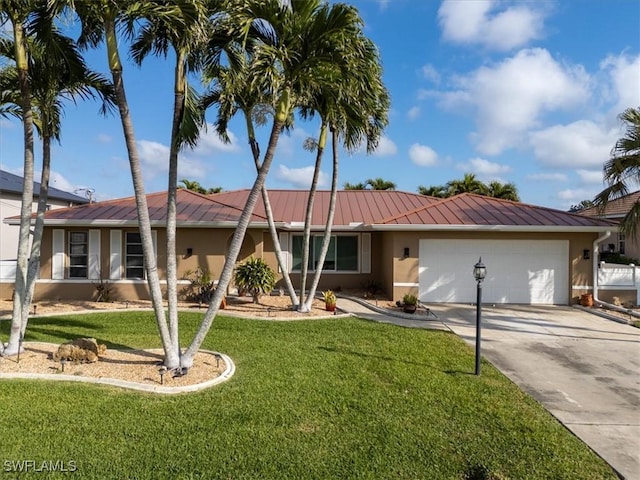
[(223, 377)]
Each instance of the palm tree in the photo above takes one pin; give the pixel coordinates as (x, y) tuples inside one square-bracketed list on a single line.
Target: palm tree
[(101, 22), (505, 191), (195, 186), (468, 184), (471, 184), (231, 91), (622, 171), (51, 82), (288, 46), (354, 104), (438, 191), (354, 186), (371, 184), (17, 13), (380, 184), (182, 25)]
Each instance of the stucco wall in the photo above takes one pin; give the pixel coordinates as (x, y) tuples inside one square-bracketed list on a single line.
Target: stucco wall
[(396, 274)]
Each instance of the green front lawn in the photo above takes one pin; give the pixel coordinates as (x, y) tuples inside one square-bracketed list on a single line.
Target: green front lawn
[(313, 399)]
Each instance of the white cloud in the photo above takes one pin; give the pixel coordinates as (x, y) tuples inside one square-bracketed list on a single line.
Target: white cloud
[(293, 141), (104, 138), (430, 73), (154, 157), (591, 176), (483, 23), (581, 144), (413, 113), (422, 155), (574, 196), (386, 147), (58, 181), (383, 4), (548, 177), (486, 168), (624, 73), (509, 98), (300, 177), (210, 142)]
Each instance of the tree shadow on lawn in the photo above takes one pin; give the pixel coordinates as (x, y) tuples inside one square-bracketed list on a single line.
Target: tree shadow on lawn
[(68, 331), (345, 351)]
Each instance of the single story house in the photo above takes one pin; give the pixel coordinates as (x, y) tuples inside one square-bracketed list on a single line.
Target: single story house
[(403, 242), (615, 211), (11, 187)]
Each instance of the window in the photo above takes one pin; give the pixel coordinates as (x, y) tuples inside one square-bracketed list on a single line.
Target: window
[(134, 261), (78, 254), (342, 255), (621, 243)]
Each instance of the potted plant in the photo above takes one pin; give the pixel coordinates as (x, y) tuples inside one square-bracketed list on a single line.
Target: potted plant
[(409, 303), (329, 300)]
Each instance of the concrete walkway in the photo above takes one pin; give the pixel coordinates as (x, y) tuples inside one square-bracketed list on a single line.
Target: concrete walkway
[(584, 369)]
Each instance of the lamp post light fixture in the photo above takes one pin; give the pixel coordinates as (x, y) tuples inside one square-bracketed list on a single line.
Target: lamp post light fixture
[(479, 273)]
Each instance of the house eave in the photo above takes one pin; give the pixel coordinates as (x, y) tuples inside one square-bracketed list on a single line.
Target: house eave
[(490, 228)]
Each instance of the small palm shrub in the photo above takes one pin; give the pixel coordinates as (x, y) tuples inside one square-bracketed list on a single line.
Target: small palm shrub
[(201, 286), (255, 277)]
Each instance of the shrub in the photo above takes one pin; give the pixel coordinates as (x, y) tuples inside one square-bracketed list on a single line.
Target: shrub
[(256, 277), (201, 286), (104, 292)]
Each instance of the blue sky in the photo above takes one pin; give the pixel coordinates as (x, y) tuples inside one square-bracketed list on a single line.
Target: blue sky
[(517, 91)]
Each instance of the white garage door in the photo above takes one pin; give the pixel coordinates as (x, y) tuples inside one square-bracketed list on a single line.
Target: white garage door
[(518, 271)]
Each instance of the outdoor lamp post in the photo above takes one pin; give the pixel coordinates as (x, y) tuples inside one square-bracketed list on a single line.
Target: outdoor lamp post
[(479, 272)]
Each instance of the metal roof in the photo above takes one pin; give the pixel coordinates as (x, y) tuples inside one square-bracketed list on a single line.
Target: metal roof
[(15, 184), (479, 210), (366, 209)]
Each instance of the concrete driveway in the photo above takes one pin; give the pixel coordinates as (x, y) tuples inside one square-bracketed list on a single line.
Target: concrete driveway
[(583, 368)]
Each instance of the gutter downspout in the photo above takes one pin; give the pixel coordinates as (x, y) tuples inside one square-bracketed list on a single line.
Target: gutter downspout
[(596, 300)]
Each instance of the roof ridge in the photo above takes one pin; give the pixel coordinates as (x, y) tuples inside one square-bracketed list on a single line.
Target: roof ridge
[(210, 198), (415, 210)]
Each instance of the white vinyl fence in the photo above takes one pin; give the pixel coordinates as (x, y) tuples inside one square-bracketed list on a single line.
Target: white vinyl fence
[(619, 277)]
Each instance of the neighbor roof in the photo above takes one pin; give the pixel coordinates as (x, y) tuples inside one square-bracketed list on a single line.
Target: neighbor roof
[(615, 208), (15, 184), (355, 209)]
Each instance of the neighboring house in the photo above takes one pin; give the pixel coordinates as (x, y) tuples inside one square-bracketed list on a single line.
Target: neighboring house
[(615, 211), (11, 187), (402, 241)]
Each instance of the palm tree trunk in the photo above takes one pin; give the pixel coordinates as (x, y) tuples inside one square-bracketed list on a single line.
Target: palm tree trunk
[(34, 259), (271, 222), (172, 273), (15, 334), (150, 263), (306, 237), (282, 113), (326, 240)]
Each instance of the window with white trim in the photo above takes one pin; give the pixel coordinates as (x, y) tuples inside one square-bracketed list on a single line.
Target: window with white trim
[(342, 255), (134, 258), (621, 243), (78, 254)]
